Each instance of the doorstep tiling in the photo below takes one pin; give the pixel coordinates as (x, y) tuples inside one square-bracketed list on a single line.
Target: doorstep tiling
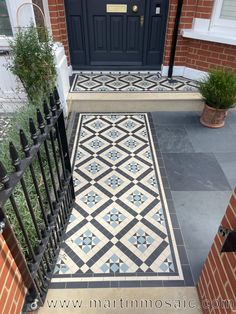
[(130, 82), (120, 230)]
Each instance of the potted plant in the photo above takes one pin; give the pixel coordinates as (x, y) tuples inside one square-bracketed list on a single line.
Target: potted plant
[(218, 90)]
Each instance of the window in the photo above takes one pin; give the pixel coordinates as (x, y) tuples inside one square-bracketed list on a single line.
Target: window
[(5, 25), (228, 10), (224, 16), (221, 28)]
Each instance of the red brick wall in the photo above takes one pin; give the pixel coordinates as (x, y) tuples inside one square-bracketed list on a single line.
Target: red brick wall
[(58, 23), (197, 54), (203, 55), (218, 277), (12, 289)]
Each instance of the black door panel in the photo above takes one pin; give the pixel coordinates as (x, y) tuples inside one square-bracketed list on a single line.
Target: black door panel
[(100, 39), (113, 32)]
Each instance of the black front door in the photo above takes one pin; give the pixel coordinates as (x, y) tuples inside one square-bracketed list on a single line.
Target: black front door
[(116, 38), (123, 34)]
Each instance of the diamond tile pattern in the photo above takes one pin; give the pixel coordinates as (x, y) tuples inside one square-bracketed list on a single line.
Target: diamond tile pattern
[(129, 82), (119, 225)]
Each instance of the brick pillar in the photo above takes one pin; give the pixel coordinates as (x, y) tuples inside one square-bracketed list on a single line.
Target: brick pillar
[(217, 281), (12, 289), (58, 24)]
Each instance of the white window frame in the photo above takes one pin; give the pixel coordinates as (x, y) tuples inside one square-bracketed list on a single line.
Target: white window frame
[(215, 29), (24, 20), (219, 24)]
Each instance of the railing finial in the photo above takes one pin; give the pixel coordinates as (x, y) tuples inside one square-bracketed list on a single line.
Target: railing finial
[(46, 112), (4, 179), (40, 121), (33, 131), (57, 98), (14, 156), (52, 105), (24, 143)]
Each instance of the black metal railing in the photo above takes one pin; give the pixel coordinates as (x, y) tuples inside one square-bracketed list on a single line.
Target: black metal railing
[(36, 199)]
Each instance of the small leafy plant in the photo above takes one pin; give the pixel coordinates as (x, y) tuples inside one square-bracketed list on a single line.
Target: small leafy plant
[(219, 89), (32, 60)]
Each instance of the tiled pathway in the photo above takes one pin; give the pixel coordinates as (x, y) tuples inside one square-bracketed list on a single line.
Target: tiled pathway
[(121, 232), (129, 82)]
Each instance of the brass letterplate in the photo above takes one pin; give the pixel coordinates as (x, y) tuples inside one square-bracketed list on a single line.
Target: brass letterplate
[(116, 8)]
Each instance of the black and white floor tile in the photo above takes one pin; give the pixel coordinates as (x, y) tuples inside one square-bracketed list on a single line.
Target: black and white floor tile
[(120, 231), (129, 82)]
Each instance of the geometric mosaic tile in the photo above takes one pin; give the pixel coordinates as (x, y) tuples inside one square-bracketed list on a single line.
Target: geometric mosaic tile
[(114, 182), (91, 199), (134, 167), (131, 143), (94, 168), (138, 199), (129, 82), (142, 241), (114, 155), (114, 218), (119, 228)]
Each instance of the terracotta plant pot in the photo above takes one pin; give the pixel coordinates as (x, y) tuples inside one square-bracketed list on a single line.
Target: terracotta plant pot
[(212, 117)]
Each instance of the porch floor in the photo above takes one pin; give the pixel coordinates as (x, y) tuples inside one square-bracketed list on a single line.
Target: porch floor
[(129, 82)]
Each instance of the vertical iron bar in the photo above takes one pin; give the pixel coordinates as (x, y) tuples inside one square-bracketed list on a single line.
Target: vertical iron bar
[(42, 130), (25, 147), (16, 163), (49, 250), (34, 137), (54, 114), (27, 240), (45, 182), (39, 195), (48, 120), (174, 38), (30, 208)]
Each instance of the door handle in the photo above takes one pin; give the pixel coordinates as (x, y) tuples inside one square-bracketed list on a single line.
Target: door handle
[(141, 20), (135, 8)]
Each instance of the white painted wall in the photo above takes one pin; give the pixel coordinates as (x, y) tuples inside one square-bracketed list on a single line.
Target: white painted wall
[(8, 81), (63, 83)]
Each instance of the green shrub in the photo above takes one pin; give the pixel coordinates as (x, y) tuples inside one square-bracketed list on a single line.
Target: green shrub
[(32, 60), (219, 89)]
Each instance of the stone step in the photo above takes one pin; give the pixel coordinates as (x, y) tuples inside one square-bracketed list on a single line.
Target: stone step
[(122, 300), (134, 102)]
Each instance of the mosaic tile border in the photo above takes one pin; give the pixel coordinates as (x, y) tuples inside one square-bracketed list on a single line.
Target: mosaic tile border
[(130, 82), (75, 281)]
